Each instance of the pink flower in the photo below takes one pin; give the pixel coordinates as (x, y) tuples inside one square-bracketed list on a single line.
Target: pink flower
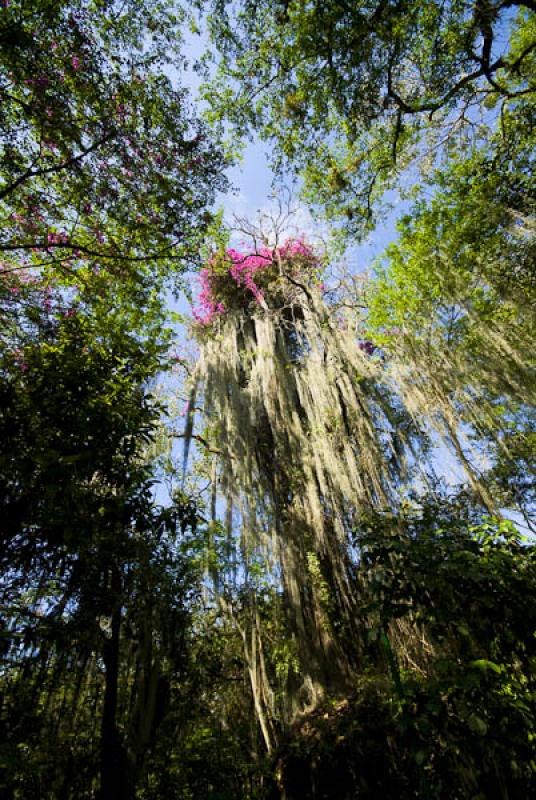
[(244, 270), (75, 61), (57, 238)]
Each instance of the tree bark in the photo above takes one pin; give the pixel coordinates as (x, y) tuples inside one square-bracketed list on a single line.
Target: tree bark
[(111, 751)]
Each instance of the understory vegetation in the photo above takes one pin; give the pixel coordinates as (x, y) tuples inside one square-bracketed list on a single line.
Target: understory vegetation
[(281, 548)]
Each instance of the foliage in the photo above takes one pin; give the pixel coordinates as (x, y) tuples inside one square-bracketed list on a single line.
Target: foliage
[(107, 177), (104, 165), (348, 93), (303, 618), (85, 554), (449, 708), (452, 302)]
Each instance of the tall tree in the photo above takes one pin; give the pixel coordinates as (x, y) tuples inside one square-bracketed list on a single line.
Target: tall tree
[(305, 437), (107, 178), (452, 306), (85, 552)]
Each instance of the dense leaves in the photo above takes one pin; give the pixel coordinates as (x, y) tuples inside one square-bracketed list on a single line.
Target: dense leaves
[(450, 706), (352, 93), (103, 161)]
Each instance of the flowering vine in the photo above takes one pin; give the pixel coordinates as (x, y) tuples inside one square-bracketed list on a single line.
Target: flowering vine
[(253, 274)]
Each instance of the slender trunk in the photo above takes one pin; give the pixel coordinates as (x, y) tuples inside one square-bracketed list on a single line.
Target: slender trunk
[(144, 718), (112, 762)]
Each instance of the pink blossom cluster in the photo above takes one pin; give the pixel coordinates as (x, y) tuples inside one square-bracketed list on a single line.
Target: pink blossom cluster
[(57, 238), (295, 247), (244, 267), (206, 310), (25, 285), (242, 270)]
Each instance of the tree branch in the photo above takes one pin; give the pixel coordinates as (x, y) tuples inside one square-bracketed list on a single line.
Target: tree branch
[(35, 173)]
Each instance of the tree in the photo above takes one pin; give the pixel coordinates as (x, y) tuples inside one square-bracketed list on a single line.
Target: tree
[(84, 551), (349, 93), (362, 598), (354, 97), (107, 178), (302, 436), (104, 165), (452, 307)]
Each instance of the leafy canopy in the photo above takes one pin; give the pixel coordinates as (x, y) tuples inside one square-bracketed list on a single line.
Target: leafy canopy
[(349, 93)]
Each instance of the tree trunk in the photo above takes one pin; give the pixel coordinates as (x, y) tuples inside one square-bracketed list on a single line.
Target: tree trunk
[(111, 751)]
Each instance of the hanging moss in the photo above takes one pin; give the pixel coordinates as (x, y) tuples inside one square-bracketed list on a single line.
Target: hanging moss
[(305, 442)]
